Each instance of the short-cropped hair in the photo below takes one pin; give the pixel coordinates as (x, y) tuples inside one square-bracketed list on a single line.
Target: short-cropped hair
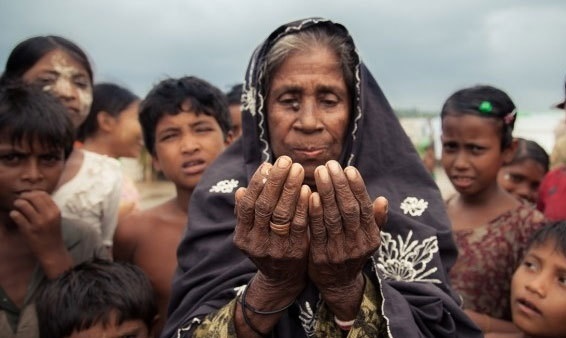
[(29, 114), (95, 292)]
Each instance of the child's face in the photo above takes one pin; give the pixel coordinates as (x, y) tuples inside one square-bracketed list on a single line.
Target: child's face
[(126, 133), (64, 77), (185, 145), (471, 152), (24, 168), (128, 329), (538, 292), (522, 179)]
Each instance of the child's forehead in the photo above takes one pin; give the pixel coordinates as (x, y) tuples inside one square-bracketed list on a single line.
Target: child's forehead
[(26, 143), (184, 117), (549, 244)]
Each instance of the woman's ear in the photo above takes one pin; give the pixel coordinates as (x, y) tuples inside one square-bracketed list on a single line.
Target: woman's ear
[(106, 122)]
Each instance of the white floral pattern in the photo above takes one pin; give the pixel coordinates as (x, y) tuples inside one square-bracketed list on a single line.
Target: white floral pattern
[(225, 186), (414, 206), (240, 290), (406, 259), (248, 100)]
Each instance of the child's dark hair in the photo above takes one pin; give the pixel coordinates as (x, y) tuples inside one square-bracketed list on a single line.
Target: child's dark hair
[(90, 294), (107, 97), (484, 101), (28, 52), (168, 98), (530, 150), (555, 231), (235, 94), (29, 114)]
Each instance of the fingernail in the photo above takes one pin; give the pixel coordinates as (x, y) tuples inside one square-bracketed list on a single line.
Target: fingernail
[(351, 173), (283, 162), (265, 169), (295, 170), (323, 174), (334, 167)]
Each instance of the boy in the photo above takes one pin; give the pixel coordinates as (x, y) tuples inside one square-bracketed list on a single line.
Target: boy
[(186, 125), (538, 288), (36, 137), (98, 299)]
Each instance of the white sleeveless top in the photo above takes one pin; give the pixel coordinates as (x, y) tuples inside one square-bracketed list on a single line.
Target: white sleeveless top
[(92, 196)]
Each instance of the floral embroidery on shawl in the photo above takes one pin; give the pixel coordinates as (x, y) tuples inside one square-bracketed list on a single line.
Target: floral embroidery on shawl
[(414, 206), (405, 259)]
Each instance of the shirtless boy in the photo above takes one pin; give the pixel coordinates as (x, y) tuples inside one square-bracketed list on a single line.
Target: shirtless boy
[(186, 125)]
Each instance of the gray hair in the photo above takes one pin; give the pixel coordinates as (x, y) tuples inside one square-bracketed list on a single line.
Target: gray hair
[(307, 40)]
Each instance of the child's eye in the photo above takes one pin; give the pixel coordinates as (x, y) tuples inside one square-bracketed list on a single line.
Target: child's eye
[(449, 146), (562, 280), (476, 149), (51, 160), (11, 159), (529, 265), (203, 130), (515, 178), (167, 137)]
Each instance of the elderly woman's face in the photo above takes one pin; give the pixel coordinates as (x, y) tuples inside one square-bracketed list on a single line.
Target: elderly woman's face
[(308, 109)]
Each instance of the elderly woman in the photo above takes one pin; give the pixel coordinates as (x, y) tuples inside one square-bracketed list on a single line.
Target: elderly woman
[(284, 242)]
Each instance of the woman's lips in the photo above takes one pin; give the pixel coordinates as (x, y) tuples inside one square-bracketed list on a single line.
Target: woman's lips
[(308, 153)]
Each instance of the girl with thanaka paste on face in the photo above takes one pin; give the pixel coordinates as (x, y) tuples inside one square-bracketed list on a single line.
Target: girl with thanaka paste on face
[(89, 188), (491, 226), (112, 128)]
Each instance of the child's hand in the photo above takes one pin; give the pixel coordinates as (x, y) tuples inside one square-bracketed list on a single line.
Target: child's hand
[(39, 220)]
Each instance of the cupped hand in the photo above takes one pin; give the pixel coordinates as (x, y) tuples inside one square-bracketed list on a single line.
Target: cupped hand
[(39, 220), (345, 231), (274, 198)]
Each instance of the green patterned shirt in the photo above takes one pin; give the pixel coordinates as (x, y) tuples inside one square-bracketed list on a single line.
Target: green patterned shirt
[(369, 322)]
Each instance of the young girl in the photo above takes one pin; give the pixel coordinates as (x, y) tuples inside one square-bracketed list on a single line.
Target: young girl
[(112, 128), (523, 174), (89, 188), (490, 225)]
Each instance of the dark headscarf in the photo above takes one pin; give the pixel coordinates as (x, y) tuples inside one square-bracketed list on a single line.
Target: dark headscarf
[(409, 269)]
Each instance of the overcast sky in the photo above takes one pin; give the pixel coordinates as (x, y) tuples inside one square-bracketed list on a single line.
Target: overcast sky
[(419, 51)]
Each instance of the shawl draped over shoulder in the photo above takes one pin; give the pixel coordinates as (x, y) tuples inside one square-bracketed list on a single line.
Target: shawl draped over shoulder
[(410, 268)]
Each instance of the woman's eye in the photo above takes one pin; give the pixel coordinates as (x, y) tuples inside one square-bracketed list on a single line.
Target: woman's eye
[(43, 81), (82, 83)]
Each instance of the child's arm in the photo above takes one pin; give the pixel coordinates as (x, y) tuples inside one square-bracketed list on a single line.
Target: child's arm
[(125, 237), (490, 324), (39, 220)]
